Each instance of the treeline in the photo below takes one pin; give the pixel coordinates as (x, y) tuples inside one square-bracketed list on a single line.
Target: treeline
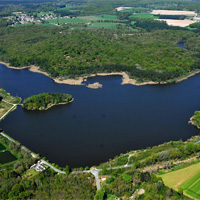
[(45, 100), (177, 17)]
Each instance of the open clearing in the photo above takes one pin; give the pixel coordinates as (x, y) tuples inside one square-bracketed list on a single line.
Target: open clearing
[(173, 12), (85, 19), (104, 25), (181, 23), (144, 15), (122, 8), (187, 178)]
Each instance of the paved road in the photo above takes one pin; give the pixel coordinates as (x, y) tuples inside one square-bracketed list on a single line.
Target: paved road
[(52, 167), (7, 112), (9, 138), (95, 172), (13, 105)]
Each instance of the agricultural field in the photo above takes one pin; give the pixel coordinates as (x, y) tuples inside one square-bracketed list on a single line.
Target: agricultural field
[(85, 19), (104, 25), (91, 21), (144, 15), (180, 23), (173, 12), (186, 179)]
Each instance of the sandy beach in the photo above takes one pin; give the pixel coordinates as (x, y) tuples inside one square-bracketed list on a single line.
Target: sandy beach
[(9, 66), (79, 81)]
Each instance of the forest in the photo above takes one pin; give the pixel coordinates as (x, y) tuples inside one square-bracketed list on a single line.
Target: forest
[(65, 53), (45, 100)]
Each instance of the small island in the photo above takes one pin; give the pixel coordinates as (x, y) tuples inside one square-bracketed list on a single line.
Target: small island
[(95, 85), (195, 119), (45, 101)]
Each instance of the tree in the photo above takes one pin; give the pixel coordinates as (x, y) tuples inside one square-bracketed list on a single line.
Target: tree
[(67, 170), (100, 195)]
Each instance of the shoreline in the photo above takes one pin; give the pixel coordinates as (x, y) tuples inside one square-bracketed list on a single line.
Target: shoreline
[(192, 122), (52, 105), (79, 80)]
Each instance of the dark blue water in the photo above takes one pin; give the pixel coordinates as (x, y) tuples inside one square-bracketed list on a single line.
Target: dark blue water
[(182, 45), (103, 123)]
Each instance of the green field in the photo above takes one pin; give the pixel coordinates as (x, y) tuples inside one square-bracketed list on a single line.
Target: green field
[(43, 13), (84, 19), (132, 9), (144, 15), (29, 174), (187, 179), (87, 19), (103, 25), (67, 20)]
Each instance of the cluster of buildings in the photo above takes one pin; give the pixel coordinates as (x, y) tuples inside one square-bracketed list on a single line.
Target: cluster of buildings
[(38, 167), (22, 18)]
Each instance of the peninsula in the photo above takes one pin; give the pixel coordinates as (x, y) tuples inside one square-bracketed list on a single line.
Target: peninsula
[(195, 119)]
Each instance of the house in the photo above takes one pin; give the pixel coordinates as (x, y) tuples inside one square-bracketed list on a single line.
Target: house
[(38, 167), (103, 178)]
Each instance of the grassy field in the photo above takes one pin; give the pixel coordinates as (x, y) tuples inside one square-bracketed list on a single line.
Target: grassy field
[(84, 19), (144, 15), (103, 25), (4, 107), (29, 174), (43, 13), (187, 178), (132, 9), (88, 19), (67, 20)]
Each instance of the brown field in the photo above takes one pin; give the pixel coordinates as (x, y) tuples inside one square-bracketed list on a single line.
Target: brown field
[(4, 107), (122, 8), (181, 23), (173, 12)]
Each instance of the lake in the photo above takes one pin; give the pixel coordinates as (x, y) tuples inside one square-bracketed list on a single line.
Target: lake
[(99, 124)]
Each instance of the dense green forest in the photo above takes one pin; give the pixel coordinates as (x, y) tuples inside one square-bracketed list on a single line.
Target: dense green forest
[(45, 100), (153, 55)]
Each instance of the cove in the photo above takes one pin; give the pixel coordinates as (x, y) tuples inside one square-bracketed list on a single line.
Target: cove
[(99, 124)]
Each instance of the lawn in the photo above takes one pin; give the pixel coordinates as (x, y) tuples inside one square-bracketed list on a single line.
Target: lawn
[(144, 15), (187, 178), (29, 174)]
